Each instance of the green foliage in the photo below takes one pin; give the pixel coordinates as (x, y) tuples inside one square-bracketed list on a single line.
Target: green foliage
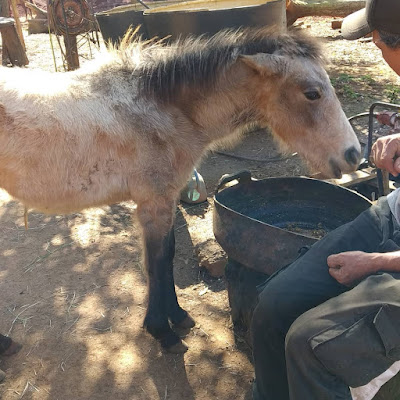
[(393, 93), (341, 80), (352, 87), (368, 79), (344, 86)]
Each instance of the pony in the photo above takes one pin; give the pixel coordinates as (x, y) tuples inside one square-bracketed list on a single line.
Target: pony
[(132, 124)]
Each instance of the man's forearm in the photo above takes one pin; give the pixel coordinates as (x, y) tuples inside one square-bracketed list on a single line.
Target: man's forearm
[(351, 266), (389, 262)]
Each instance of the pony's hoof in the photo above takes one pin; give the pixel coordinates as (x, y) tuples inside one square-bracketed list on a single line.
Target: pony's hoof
[(187, 323), (177, 348), (13, 349), (2, 375)]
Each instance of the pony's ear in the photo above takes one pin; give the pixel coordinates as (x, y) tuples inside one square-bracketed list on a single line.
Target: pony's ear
[(266, 64)]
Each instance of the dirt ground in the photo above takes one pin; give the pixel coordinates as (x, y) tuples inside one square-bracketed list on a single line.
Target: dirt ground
[(73, 293)]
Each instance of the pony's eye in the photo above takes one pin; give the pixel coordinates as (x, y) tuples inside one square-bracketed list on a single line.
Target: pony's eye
[(312, 95)]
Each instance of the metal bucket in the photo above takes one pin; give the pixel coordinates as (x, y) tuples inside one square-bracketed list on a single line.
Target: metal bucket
[(263, 223)]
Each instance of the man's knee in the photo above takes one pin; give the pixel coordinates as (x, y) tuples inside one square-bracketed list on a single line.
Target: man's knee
[(262, 317), (273, 312), (298, 336)]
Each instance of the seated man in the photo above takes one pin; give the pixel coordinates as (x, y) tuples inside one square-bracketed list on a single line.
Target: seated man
[(331, 319)]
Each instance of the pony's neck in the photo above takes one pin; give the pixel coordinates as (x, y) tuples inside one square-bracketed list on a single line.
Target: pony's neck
[(224, 108)]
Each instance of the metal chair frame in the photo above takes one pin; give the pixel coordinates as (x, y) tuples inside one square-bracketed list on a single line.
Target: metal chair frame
[(382, 176)]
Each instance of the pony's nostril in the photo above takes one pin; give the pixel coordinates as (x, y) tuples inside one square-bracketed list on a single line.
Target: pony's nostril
[(352, 156), (336, 171)]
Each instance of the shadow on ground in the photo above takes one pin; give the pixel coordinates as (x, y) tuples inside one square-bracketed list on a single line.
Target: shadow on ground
[(73, 293)]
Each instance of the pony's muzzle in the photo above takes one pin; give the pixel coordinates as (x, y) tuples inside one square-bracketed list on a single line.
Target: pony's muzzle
[(352, 156), (335, 169)]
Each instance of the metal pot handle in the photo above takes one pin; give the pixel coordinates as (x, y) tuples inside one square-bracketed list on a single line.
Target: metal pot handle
[(242, 177)]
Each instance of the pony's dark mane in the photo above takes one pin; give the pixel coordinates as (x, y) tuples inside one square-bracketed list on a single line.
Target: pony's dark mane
[(196, 62)]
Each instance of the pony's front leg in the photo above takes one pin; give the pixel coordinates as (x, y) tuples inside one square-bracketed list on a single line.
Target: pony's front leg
[(159, 250), (176, 314)]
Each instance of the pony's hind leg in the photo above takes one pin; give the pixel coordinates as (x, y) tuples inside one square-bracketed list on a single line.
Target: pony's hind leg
[(159, 252), (176, 314)]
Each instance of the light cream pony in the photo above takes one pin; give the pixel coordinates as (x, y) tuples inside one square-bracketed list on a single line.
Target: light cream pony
[(131, 126)]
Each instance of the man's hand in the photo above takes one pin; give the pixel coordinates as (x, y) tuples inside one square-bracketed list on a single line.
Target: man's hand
[(389, 118), (386, 153), (352, 266)]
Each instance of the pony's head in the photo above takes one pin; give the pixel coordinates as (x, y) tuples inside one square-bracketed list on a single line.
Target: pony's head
[(294, 96), (256, 76)]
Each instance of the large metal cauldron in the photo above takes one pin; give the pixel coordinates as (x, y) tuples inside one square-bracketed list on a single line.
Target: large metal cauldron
[(199, 17), (115, 22), (262, 224)]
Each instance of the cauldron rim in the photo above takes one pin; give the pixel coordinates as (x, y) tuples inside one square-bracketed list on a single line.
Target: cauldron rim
[(262, 246), (276, 179), (171, 8)]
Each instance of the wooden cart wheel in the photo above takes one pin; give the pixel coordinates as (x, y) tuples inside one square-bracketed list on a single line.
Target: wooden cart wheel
[(70, 17)]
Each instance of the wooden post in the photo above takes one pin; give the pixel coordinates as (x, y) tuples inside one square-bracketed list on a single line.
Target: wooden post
[(383, 175), (71, 50), (12, 45), (14, 10), (4, 8), (4, 12)]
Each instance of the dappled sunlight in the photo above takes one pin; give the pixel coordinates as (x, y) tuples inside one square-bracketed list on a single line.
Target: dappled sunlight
[(88, 232), (122, 285), (4, 197), (82, 268), (227, 372), (79, 309), (8, 253), (124, 363), (74, 294), (199, 227), (61, 302), (129, 205), (223, 337), (7, 200), (95, 363), (89, 309), (57, 240)]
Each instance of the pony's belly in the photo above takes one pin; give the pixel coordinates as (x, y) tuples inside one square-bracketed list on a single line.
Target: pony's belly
[(71, 205), (65, 199)]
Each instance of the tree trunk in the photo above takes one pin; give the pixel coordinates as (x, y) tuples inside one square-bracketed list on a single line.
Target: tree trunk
[(71, 52), (15, 12), (335, 8)]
